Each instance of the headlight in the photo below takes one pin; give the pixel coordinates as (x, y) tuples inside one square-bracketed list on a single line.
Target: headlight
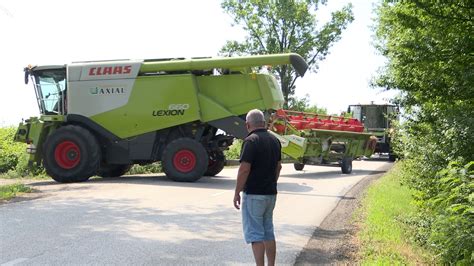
[(31, 149)]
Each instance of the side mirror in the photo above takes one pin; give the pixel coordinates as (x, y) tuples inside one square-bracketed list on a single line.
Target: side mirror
[(27, 74)]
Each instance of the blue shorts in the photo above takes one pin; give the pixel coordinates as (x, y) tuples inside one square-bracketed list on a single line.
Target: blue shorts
[(257, 217)]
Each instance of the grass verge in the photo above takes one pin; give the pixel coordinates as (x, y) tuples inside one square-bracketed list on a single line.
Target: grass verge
[(383, 236), (10, 191)]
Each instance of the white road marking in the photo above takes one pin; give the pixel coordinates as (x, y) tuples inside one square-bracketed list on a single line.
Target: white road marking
[(14, 262)]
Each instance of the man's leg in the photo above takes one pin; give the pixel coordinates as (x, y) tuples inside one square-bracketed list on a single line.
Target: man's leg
[(270, 244), (270, 250), (258, 249)]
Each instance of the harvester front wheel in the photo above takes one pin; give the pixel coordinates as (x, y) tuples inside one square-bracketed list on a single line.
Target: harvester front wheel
[(216, 163), (184, 160), (71, 154), (113, 170), (298, 166), (346, 165)]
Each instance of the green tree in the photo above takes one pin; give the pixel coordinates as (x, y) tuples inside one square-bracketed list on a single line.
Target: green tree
[(430, 45), (430, 48), (280, 26), (303, 105)]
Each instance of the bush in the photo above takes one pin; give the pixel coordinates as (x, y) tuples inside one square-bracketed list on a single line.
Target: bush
[(439, 165), (425, 44), (452, 234), (13, 157), (145, 169), (23, 169), (10, 151), (233, 153)]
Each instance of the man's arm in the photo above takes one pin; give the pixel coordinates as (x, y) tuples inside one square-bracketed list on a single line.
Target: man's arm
[(278, 169), (243, 174)]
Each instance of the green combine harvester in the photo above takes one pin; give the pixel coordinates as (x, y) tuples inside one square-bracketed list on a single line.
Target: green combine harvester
[(101, 117)]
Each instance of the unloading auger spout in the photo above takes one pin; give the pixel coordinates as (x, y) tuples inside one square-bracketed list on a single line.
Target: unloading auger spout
[(298, 63)]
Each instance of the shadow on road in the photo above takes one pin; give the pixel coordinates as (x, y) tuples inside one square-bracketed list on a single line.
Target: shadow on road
[(214, 182), (206, 182), (122, 231), (159, 179), (293, 187), (316, 195), (329, 174)]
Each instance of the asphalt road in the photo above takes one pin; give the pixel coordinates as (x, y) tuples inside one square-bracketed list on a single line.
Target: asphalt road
[(149, 220)]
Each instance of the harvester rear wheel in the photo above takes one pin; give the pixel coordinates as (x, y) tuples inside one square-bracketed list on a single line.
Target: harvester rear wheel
[(184, 160), (71, 154), (113, 170), (216, 163), (298, 166), (346, 165)]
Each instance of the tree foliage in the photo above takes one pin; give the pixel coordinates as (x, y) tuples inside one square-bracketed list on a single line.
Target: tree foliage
[(281, 26), (430, 47), (303, 105)]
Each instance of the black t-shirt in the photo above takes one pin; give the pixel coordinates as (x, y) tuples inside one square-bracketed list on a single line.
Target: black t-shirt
[(263, 151)]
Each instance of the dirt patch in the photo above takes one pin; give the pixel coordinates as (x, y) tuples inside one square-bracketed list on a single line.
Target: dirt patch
[(333, 242)]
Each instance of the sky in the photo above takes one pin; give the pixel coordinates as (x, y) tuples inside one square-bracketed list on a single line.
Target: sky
[(50, 32)]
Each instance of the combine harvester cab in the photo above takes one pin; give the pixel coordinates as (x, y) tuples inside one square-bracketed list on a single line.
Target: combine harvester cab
[(378, 120), (101, 117), (320, 139)]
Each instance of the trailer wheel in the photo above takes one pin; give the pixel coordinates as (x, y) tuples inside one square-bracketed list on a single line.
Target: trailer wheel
[(298, 166), (113, 170), (184, 160), (216, 163), (71, 154), (346, 165)]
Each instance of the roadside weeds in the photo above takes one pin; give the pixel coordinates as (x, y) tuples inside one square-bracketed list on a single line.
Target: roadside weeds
[(334, 242), (384, 234), (366, 227), (10, 191)]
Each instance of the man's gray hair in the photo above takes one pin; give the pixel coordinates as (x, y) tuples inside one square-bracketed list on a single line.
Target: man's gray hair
[(255, 118)]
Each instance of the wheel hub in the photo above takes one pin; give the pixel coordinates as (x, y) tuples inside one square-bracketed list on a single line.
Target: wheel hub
[(67, 154), (184, 161)]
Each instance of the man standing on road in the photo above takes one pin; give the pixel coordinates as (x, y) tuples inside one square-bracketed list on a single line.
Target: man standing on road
[(260, 165)]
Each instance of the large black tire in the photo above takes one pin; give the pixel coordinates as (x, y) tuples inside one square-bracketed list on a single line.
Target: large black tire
[(113, 170), (346, 165), (184, 160), (71, 154), (216, 163), (392, 157), (298, 166)]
